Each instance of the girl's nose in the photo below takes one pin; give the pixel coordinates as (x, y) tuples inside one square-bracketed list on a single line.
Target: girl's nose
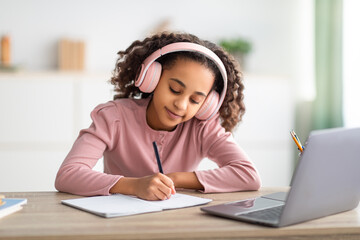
[(181, 103)]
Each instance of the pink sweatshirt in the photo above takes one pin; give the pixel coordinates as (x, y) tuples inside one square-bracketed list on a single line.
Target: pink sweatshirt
[(120, 133)]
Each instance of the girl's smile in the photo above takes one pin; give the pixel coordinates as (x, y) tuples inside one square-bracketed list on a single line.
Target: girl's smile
[(181, 91), (173, 115)]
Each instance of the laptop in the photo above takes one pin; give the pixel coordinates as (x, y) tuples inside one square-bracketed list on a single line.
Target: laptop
[(325, 182)]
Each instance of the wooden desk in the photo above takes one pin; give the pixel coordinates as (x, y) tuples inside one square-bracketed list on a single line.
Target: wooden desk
[(44, 217)]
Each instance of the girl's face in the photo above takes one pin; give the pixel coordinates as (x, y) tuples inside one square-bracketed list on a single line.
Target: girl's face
[(181, 91)]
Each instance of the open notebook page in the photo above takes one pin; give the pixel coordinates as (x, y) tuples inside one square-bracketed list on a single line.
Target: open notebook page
[(123, 205), (180, 201)]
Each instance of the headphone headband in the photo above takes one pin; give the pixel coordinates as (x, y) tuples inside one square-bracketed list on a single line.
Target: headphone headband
[(185, 47)]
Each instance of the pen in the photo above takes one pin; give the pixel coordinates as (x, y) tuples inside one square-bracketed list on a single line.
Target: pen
[(296, 140), (157, 157), (159, 164)]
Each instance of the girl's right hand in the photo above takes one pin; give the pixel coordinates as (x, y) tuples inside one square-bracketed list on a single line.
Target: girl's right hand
[(154, 187)]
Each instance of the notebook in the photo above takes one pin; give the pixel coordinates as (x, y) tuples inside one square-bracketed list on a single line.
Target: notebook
[(123, 205), (11, 205), (325, 182)]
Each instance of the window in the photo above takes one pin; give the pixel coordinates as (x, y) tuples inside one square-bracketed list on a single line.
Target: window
[(351, 63)]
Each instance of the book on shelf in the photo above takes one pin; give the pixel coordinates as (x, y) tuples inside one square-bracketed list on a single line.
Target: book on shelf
[(71, 54)]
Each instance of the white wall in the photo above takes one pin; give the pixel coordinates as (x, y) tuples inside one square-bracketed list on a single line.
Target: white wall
[(108, 26), (275, 67)]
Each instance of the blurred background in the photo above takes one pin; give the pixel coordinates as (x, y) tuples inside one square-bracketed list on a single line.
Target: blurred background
[(299, 60)]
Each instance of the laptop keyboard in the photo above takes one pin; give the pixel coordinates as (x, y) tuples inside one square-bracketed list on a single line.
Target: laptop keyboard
[(269, 214)]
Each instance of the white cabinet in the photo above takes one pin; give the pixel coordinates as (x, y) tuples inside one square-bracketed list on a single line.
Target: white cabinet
[(42, 114)]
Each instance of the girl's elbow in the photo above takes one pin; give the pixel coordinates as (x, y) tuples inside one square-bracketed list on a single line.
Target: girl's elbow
[(60, 181), (255, 183)]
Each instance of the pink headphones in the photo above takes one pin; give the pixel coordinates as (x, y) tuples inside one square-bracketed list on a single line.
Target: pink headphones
[(151, 71)]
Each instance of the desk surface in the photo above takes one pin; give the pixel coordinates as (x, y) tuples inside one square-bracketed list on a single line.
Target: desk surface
[(44, 217)]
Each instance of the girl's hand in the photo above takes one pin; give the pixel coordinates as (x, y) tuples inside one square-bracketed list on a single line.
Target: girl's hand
[(154, 187)]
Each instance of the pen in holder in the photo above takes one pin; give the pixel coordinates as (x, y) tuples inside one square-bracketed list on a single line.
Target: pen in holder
[(297, 141)]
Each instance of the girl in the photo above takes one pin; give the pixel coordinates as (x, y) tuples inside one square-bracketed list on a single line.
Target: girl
[(181, 92)]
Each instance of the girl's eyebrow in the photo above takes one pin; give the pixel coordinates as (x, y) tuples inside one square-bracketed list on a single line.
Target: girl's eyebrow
[(184, 86)]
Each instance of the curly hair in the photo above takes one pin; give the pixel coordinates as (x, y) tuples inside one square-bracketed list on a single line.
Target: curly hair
[(129, 62)]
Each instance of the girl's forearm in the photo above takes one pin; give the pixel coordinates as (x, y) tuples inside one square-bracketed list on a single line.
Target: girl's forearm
[(124, 185), (186, 180)]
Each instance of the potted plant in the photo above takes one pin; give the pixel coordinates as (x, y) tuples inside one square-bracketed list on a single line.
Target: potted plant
[(238, 47)]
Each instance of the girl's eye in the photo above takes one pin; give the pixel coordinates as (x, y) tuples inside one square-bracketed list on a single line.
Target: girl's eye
[(172, 90), (178, 92), (195, 102)]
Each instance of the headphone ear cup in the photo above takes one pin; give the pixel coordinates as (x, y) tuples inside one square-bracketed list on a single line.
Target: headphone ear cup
[(151, 77), (209, 106)]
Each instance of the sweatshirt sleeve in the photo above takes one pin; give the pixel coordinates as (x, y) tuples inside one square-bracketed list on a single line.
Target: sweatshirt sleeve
[(236, 172), (76, 175)]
